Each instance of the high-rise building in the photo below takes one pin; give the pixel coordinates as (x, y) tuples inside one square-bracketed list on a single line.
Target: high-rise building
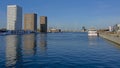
[(43, 24), (30, 22), (14, 17)]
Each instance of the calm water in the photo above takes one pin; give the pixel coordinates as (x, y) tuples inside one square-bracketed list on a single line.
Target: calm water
[(58, 50)]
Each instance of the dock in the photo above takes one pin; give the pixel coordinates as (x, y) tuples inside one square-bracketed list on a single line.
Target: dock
[(111, 37)]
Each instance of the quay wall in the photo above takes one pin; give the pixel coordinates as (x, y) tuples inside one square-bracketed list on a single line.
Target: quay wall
[(111, 37)]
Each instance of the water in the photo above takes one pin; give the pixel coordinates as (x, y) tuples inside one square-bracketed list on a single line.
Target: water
[(58, 50)]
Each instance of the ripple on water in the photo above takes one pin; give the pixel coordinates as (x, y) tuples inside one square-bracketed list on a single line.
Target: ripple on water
[(58, 50)]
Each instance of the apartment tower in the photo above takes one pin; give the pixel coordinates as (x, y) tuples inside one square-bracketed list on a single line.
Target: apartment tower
[(43, 24), (14, 17), (30, 22)]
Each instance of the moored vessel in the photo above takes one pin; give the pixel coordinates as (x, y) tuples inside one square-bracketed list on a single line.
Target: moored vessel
[(92, 32)]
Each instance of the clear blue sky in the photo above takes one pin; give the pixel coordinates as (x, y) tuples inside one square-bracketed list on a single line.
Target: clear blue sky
[(69, 14)]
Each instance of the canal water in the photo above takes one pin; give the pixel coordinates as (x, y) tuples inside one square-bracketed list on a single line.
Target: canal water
[(58, 50)]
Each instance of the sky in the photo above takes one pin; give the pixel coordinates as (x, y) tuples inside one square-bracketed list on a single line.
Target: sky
[(68, 14)]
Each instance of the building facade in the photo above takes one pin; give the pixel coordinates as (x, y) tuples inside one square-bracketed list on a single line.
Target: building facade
[(14, 17), (43, 24), (116, 28), (30, 22), (54, 30)]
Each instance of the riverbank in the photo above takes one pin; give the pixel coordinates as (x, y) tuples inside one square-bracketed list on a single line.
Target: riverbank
[(115, 38)]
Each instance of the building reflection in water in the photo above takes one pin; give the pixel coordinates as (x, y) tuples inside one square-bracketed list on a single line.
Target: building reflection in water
[(92, 40), (18, 46), (29, 44), (43, 43), (13, 50)]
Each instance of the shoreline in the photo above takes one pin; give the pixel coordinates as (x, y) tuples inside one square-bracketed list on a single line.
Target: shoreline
[(111, 37)]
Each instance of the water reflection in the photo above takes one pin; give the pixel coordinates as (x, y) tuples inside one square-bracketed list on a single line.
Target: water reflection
[(92, 40), (29, 44), (13, 50), (18, 46), (43, 43), (21, 52)]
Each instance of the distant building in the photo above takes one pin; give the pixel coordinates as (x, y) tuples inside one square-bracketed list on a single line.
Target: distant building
[(115, 28), (83, 29), (14, 17), (118, 27), (30, 22), (43, 24), (54, 30), (110, 28)]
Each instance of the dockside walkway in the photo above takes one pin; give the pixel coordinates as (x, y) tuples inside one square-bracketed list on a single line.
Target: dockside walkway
[(111, 37)]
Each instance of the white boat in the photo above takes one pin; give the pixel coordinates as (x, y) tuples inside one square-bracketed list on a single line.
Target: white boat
[(92, 32)]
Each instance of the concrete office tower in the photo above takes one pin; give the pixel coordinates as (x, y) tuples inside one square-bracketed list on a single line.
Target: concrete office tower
[(43, 24), (30, 22), (14, 17)]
